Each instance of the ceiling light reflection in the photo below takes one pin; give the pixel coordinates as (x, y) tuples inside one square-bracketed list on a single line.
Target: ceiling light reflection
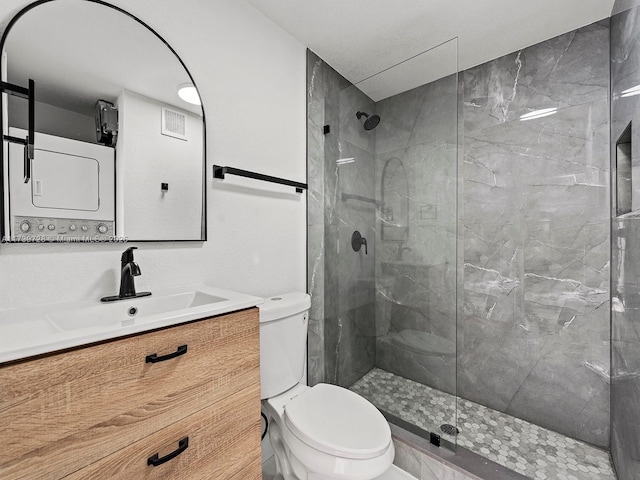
[(630, 92), (189, 94), (344, 161), (545, 112)]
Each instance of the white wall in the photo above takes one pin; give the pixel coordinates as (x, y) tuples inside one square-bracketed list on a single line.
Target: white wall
[(146, 158), (53, 120), (251, 76)]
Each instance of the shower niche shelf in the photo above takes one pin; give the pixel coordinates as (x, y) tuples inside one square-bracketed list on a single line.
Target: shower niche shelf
[(624, 174)]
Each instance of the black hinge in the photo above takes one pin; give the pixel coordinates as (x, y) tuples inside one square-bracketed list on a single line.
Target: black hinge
[(326, 129), (434, 439)]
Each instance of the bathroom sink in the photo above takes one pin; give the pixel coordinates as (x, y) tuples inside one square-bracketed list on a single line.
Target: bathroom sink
[(46, 328), (32, 328), (124, 313)]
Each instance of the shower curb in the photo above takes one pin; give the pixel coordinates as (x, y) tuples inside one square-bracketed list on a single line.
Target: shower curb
[(462, 460)]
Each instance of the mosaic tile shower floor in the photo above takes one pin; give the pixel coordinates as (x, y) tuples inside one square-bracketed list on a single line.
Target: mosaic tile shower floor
[(525, 448)]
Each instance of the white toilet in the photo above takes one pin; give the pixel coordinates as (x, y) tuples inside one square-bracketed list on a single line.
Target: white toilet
[(320, 432)]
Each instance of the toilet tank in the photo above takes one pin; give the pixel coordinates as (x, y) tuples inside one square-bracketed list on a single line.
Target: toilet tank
[(283, 341)]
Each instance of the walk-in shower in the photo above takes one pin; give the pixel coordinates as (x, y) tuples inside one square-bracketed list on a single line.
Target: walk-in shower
[(479, 316)]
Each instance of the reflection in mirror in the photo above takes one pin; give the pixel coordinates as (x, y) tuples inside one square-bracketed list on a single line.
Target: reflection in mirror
[(119, 154), (395, 201)]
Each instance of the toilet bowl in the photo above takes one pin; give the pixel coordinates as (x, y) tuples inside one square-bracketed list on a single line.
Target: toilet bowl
[(320, 432), (327, 431)]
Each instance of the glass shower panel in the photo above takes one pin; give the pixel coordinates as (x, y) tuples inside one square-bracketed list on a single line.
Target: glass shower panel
[(395, 227)]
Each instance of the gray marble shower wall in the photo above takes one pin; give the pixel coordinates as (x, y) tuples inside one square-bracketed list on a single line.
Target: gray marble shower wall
[(341, 166), (532, 334), (625, 258), (534, 337)]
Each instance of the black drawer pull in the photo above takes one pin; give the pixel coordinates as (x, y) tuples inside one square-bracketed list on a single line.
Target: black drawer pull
[(182, 446), (154, 358)]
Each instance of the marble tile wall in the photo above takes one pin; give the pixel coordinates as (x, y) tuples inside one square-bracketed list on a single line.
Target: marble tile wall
[(625, 372), (533, 340), (620, 6), (625, 259), (341, 281), (320, 78)]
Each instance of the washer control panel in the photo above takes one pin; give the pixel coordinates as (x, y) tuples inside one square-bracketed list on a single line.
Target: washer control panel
[(43, 229)]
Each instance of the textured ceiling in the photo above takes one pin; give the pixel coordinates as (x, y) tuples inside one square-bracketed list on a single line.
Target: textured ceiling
[(360, 38)]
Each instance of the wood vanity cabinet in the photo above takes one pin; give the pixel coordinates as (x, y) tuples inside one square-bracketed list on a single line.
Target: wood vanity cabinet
[(188, 393)]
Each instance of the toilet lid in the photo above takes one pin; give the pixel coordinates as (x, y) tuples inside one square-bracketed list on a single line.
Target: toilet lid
[(339, 422)]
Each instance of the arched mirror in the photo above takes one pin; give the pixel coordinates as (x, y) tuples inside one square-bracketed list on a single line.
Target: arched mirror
[(118, 153), (395, 201)]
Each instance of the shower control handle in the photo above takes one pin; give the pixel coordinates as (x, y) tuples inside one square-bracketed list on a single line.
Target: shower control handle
[(357, 241)]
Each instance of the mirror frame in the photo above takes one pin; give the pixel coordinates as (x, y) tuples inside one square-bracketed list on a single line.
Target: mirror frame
[(5, 33)]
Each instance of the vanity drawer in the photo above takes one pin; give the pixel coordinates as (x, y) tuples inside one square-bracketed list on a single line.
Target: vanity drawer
[(64, 411), (222, 444)]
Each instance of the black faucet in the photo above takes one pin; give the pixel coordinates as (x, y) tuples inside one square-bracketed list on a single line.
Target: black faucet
[(128, 270)]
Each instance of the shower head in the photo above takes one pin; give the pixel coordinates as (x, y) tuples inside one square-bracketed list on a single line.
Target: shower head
[(371, 122)]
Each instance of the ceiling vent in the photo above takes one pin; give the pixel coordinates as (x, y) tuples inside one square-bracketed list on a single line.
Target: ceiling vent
[(174, 124)]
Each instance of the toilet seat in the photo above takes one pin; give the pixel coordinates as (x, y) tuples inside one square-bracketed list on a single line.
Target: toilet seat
[(338, 422)]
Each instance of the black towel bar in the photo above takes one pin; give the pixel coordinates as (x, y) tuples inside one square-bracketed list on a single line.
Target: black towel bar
[(220, 172)]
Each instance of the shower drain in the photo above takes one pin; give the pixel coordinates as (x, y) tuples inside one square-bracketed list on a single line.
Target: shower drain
[(449, 429)]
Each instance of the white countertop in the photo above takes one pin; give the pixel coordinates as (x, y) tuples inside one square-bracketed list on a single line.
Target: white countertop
[(25, 332)]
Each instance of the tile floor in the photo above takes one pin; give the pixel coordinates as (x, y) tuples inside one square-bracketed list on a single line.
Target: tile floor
[(528, 449)]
